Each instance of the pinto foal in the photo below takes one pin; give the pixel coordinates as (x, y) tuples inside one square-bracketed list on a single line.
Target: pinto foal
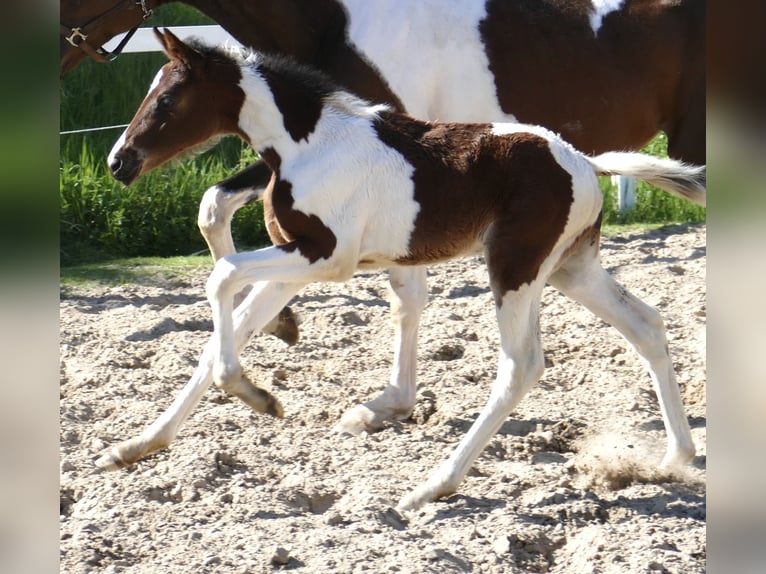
[(358, 186)]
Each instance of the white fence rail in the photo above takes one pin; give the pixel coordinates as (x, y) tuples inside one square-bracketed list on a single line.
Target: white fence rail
[(145, 41)]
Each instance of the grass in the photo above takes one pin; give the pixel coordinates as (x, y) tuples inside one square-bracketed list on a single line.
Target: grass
[(133, 271)]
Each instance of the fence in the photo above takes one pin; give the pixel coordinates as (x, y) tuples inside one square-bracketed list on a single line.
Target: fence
[(144, 39)]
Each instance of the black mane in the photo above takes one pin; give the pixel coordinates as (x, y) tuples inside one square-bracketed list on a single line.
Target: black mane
[(281, 66)]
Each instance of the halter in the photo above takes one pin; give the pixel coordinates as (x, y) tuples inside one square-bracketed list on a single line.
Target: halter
[(78, 36)]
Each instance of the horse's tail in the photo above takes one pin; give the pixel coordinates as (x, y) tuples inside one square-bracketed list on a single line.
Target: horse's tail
[(684, 180)]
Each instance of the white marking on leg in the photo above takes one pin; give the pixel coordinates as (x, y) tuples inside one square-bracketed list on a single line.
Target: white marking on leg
[(234, 272), (250, 317), (409, 297), (216, 210), (520, 365), (584, 280)]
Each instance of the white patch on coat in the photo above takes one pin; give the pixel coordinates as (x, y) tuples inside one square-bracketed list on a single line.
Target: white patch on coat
[(600, 9), (334, 171), (121, 140), (430, 54)]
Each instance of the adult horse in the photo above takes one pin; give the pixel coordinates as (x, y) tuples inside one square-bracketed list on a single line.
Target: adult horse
[(605, 74)]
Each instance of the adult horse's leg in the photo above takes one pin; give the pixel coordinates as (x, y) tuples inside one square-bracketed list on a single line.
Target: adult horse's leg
[(216, 210), (686, 136), (583, 279), (409, 298), (250, 316)]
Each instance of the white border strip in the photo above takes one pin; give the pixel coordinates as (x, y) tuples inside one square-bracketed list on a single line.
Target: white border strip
[(145, 41)]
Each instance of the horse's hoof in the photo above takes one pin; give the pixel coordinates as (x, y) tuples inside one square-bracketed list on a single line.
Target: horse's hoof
[(111, 460), (284, 327), (258, 399), (356, 421), (274, 407)]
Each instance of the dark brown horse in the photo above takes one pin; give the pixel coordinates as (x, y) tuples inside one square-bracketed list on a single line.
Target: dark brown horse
[(605, 74)]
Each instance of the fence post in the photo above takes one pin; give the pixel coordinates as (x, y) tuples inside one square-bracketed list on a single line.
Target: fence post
[(626, 192)]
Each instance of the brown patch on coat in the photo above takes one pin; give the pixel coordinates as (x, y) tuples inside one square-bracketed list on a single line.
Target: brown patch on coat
[(605, 92), (507, 192), (289, 228), (298, 93)]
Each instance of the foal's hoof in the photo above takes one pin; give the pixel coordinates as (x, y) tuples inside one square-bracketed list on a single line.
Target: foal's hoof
[(357, 420), (258, 399), (111, 460), (428, 492), (284, 326)]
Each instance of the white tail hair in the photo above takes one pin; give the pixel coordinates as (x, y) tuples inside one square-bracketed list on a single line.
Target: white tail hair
[(684, 180)]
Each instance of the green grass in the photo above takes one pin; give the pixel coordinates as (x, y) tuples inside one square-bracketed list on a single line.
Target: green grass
[(101, 220), (133, 270)]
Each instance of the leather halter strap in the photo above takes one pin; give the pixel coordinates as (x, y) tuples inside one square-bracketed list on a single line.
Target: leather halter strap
[(78, 36)]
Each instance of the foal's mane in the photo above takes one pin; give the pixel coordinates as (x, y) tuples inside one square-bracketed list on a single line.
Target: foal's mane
[(300, 76)]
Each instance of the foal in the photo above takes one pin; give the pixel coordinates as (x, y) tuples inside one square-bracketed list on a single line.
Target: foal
[(358, 186)]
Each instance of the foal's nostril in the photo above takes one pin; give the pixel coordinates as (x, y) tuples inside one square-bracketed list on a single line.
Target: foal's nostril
[(115, 165), (124, 166)]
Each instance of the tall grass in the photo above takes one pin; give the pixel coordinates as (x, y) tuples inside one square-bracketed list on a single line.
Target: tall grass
[(100, 218), (157, 215)]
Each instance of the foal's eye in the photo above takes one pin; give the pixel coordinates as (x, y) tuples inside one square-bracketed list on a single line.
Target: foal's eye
[(164, 103)]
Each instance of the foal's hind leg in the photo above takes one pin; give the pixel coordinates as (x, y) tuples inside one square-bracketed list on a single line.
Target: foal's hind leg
[(520, 365), (583, 279), (410, 295), (216, 210), (256, 310)]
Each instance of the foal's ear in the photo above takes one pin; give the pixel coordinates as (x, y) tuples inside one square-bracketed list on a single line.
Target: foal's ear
[(174, 48)]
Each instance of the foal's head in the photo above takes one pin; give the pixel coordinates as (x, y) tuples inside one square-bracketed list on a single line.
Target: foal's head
[(194, 98)]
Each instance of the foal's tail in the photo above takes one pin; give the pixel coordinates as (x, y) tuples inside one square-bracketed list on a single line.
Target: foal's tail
[(684, 180)]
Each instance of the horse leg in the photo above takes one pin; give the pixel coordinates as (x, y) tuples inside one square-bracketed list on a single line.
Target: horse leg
[(520, 365), (686, 137), (230, 274), (216, 210), (409, 298), (255, 311), (583, 279)]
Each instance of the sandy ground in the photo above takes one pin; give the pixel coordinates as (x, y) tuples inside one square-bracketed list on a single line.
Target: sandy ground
[(568, 485)]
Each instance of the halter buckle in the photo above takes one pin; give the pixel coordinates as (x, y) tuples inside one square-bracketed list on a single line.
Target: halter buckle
[(147, 11), (76, 37)]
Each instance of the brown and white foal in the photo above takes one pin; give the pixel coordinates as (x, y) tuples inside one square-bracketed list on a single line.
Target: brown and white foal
[(358, 186)]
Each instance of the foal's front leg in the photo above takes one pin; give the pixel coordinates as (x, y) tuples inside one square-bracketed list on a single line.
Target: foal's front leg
[(254, 312), (230, 275), (216, 210)]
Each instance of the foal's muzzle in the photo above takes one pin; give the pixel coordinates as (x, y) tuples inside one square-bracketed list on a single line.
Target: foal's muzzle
[(125, 166)]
